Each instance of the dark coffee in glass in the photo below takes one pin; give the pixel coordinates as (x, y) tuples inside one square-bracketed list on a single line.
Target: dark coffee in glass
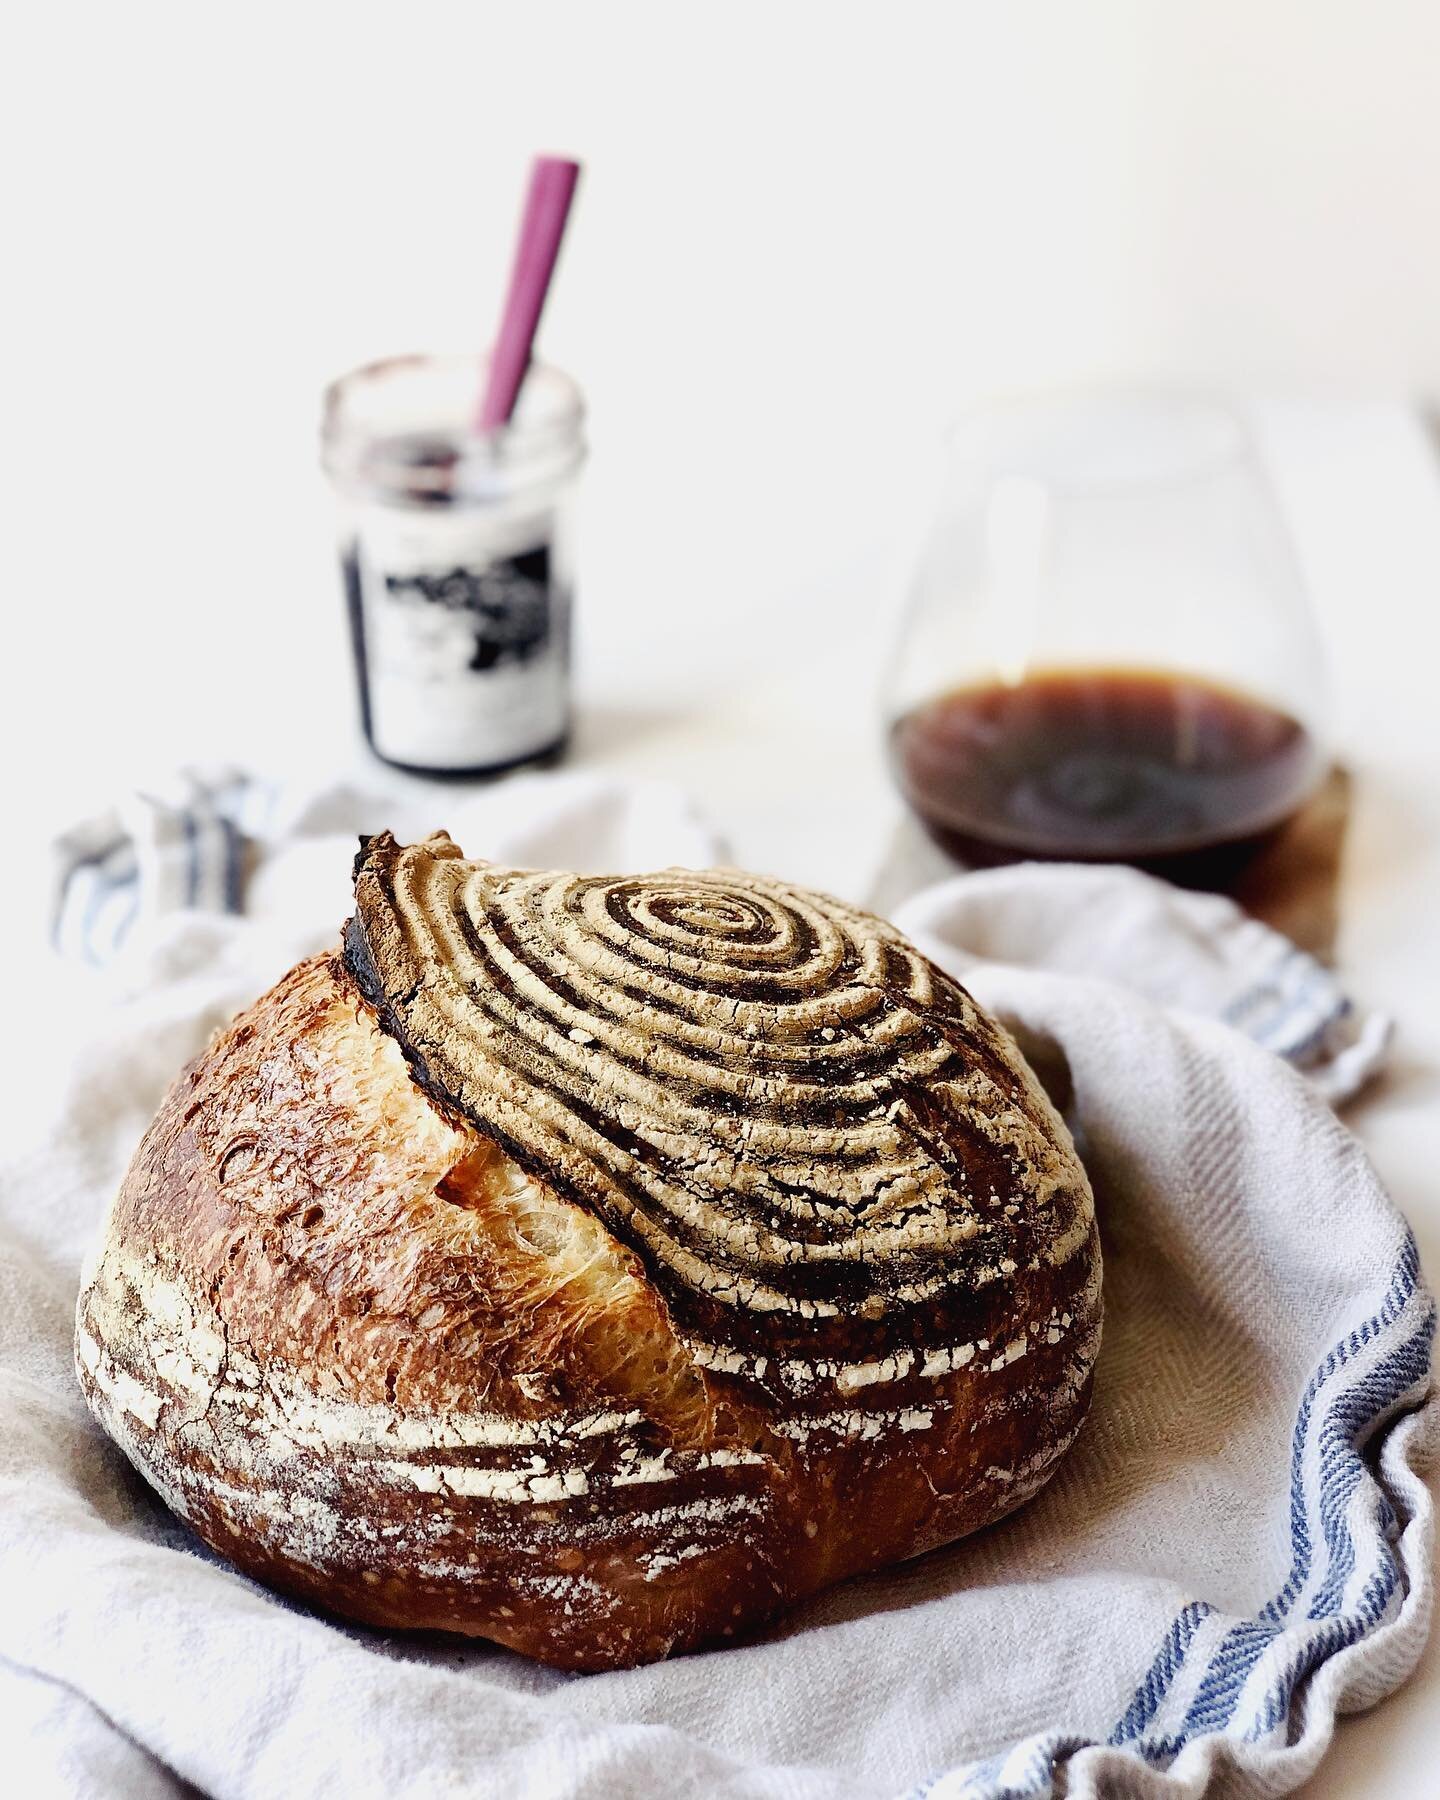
[(1170, 772)]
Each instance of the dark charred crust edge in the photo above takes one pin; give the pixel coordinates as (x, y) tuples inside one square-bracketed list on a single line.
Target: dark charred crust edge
[(359, 963), (358, 959), (373, 860)]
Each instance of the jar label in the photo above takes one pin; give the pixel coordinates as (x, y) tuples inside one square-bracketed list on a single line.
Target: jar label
[(462, 641)]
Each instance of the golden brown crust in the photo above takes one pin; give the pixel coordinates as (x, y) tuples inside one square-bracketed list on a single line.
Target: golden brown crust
[(378, 1363)]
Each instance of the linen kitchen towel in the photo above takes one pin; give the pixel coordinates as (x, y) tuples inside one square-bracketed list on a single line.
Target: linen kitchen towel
[(1236, 1550)]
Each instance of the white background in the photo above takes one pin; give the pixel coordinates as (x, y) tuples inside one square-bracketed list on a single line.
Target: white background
[(806, 235)]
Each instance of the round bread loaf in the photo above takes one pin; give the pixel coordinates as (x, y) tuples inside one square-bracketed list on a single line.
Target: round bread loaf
[(597, 1265)]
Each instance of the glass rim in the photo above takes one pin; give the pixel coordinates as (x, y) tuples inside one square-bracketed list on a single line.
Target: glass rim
[(1219, 435)]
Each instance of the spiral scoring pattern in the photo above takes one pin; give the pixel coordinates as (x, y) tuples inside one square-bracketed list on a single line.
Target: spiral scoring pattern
[(815, 1141)]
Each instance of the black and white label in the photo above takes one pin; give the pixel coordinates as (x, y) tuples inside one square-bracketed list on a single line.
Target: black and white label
[(505, 605), (466, 646)]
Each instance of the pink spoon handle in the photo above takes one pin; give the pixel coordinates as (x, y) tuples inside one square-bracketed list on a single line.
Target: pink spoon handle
[(547, 206)]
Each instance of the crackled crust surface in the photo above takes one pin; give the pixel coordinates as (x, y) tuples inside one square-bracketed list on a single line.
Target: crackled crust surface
[(395, 1333)]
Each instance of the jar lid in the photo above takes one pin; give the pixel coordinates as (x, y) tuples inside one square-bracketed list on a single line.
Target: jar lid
[(401, 430)]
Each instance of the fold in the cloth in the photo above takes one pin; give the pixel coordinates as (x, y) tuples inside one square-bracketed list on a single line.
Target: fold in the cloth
[(1198, 952)]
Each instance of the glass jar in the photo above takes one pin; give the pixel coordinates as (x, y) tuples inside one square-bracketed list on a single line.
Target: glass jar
[(1108, 653), (457, 560)]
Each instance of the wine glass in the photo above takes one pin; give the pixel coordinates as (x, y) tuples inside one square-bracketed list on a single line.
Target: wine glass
[(1108, 653)]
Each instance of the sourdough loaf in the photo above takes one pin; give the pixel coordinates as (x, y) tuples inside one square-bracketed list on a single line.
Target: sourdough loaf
[(597, 1265)]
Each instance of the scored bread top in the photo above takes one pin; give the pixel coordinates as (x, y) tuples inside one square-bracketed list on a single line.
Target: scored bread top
[(833, 1166)]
